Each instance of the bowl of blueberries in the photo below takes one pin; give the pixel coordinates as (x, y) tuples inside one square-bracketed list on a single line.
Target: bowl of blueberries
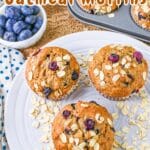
[(21, 26)]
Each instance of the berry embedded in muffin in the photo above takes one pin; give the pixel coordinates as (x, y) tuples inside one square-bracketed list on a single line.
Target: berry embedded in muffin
[(52, 72), (117, 71), (99, 8), (141, 14), (83, 125)]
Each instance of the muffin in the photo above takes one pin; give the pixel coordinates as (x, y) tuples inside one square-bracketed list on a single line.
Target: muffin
[(84, 125), (117, 71), (99, 9), (141, 14), (52, 72)]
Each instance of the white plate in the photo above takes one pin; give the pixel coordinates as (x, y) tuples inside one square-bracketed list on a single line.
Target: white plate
[(20, 134)]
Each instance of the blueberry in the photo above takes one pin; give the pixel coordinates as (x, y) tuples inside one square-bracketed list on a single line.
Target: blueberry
[(27, 10), (30, 19), (9, 24), (47, 91), (9, 36), (39, 22), (66, 114), (114, 58), (2, 20), (89, 124), (34, 30), (29, 26), (24, 34), (12, 12), (36, 10), (1, 31), (21, 18), (75, 75), (19, 26), (53, 66)]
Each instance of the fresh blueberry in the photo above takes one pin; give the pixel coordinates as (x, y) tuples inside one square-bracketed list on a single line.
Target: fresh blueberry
[(138, 56), (2, 20), (34, 30), (19, 26), (21, 18), (12, 12), (27, 10), (9, 24), (30, 19), (1, 31), (39, 22), (9, 36), (36, 10), (89, 124), (75, 75), (66, 113), (53, 66), (24, 34), (114, 58), (47, 91)]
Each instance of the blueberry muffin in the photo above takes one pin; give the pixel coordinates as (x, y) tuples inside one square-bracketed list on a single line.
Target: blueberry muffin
[(99, 9), (117, 71), (52, 72), (141, 14), (81, 126)]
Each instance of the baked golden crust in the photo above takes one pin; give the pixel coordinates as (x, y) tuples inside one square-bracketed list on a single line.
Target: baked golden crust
[(120, 79), (99, 9), (72, 131), (141, 14), (52, 72)]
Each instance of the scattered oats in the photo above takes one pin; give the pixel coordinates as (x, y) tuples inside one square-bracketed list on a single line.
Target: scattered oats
[(115, 77), (144, 76), (76, 140), (71, 140), (92, 142), (84, 105), (58, 58), (30, 76), (119, 133), (66, 57), (115, 65), (61, 73), (98, 118), (111, 15), (96, 146), (36, 124), (90, 58), (109, 122), (102, 83), (108, 67), (92, 133), (125, 129), (82, 145), (63, 138), (96, 72), (122, 72), (74, 127), (123, 61), (127, 66), (101, 75), (44, 139), (125, 109), (115, 116), (115, 71), (120, 105)]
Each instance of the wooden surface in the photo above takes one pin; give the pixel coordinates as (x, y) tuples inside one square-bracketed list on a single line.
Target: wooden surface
[(60, 23)]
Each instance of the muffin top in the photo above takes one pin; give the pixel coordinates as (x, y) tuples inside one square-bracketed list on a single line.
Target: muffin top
[(52, 72), (141, 14), (84, 125), (99, 8), (118, 71)]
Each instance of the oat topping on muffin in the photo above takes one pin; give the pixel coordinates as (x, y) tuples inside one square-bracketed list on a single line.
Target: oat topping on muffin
[(86, 125), (117, 70), (52, 72), (141, 14)]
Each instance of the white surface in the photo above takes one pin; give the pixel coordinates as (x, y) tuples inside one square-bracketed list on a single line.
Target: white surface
[(20, 134), (30, 41)]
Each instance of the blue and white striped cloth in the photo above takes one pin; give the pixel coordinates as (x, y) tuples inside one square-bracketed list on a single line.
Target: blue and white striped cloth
[(10, 62)]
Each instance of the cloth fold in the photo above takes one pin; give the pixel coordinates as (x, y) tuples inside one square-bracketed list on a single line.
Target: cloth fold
[(10, 62)]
